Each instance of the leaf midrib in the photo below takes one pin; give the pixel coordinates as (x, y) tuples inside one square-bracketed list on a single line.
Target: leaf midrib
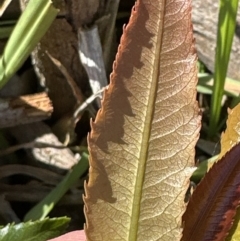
[(143, 156)]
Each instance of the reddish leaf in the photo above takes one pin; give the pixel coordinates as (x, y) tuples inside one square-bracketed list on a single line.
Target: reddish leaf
[(211, 209)]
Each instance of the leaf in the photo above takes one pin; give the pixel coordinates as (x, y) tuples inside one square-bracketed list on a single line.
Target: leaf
[(44, 207), (37, 231), (229, 139), (213, 204), (232, 134), (205, 85), (226, 29), (142, 141), (234, 233), (32, 25)]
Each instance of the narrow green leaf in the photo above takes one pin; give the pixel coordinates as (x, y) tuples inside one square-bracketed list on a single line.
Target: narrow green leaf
[(32, 25), (34, 231), (226, 30), (205, 85), (42, 209)]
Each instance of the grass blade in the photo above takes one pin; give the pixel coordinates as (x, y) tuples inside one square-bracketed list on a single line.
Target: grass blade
[(42, 209), (32, 25), (226, 29)]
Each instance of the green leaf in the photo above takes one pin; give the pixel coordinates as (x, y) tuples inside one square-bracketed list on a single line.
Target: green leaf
[(42, 209), (34, 231), (205, 85), (32, 25), (226, 30)]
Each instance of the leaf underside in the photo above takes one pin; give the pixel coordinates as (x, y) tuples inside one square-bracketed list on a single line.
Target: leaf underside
[(213, 204), (142, 141)]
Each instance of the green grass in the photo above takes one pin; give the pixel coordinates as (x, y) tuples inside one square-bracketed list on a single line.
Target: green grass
[(226, 30), (30, 28), (43, 208)]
